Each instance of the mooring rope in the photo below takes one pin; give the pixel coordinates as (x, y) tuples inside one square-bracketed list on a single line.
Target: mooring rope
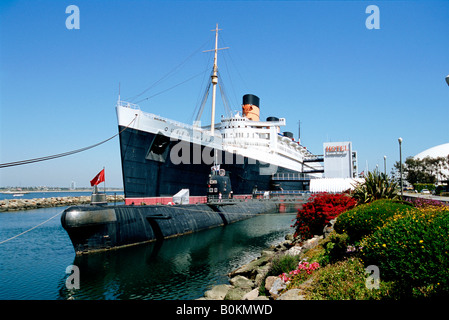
[(18, 163), (18, 235), (59, 155)]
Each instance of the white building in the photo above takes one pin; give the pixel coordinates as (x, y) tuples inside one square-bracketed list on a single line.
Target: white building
[(340, 169), (340, 161), (441, 150), (334, 185)]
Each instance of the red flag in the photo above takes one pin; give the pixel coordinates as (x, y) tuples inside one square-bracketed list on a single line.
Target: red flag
[(99, 178)]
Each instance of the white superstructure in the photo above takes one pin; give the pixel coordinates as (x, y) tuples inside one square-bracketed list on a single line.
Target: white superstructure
[(257, 140)]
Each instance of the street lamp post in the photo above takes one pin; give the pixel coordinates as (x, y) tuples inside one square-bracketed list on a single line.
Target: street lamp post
[(400, 163), (385, 165)]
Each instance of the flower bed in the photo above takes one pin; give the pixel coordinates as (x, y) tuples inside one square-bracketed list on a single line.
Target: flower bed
[(367, 218), (413, 250), (301, 273)]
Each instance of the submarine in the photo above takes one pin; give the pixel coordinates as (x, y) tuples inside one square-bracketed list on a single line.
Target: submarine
[(99, 226)]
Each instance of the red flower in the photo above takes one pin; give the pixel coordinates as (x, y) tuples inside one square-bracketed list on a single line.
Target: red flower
[(318, 211)]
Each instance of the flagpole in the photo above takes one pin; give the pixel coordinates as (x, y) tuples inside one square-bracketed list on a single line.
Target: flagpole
[(104, 174)]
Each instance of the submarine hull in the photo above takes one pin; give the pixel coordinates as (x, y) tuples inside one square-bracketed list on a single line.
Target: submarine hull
[(93, 228)]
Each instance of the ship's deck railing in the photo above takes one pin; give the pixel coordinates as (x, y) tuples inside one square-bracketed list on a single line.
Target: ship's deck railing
[(272, 196), (242, 143), (295, 151), (166, 120), (281, 193), (314, 158), (122, 103), (291, 176), (213, 199), (159, 118)]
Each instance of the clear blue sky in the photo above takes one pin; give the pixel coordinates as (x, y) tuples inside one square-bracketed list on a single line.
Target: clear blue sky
[(310, 61)]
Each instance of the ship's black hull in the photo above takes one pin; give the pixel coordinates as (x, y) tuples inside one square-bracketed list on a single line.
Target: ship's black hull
[(150, 171)]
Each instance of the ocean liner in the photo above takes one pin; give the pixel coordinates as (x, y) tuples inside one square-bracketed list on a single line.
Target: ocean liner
[(162, 156), (162, 159)]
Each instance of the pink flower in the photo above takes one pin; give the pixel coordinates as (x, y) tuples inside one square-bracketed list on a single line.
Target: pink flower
[(284, 277), (306, 266)]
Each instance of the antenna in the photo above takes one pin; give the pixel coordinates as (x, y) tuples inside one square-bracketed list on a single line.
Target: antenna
[(118, 93)]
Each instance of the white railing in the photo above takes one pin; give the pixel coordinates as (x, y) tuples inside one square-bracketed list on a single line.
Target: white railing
[(290, 176), (244, 143), (312, 157), (122, 103), (163, 119)]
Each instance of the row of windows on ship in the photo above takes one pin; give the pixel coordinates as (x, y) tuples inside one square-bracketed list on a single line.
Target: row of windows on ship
[(248, 135)]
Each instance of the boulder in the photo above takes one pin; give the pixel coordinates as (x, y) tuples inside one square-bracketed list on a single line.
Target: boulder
[(253, 294), (236, 293), (283, 246), (241, 282), (277, 287), (292, 294), (249, 270), (294, 251), (261, 273), (269, 282), (311, 243), (217, 292), (289, 237), (267, 253), (328, 228)]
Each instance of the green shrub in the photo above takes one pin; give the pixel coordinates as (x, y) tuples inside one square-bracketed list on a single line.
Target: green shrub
[(365, 219), (420, 186), (413, 251), (316, 254), (335, 246), (283, 263), (344, 280)]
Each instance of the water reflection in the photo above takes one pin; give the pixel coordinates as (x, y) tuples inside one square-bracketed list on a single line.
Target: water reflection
[(178, 268)]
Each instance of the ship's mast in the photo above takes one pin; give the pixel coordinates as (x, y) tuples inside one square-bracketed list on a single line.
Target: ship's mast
[(214, 78), (214, 84)]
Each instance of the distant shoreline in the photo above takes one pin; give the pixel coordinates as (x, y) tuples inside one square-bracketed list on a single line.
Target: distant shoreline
[(37, 203), (44, 191)]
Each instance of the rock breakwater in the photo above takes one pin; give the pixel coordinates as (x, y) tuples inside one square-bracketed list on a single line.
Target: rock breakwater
[(250, 282), (27, 204)]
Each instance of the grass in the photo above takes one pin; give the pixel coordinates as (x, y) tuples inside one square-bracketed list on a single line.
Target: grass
[(283, 263), (338, 280), (345, 280)]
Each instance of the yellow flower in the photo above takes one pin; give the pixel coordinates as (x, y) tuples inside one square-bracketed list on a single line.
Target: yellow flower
[(421, 241), (384, 245)]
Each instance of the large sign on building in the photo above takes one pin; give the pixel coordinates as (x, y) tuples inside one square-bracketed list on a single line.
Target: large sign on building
[(339, 160)]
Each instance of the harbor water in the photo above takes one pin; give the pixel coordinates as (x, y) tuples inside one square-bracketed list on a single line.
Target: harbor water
[(33, 265)]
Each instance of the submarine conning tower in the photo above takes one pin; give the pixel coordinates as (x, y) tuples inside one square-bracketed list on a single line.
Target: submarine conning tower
[(250, 107)]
